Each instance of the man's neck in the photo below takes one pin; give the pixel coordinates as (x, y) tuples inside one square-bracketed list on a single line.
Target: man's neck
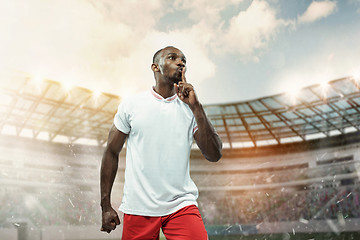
[(164, 90)]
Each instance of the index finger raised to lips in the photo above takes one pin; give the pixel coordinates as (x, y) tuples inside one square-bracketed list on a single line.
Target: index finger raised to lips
[(183, 79)]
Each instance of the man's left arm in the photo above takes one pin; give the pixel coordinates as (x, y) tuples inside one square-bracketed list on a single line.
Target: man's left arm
[(206, 137)]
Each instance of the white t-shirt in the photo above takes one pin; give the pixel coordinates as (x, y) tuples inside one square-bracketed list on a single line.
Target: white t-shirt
[(160, 134)]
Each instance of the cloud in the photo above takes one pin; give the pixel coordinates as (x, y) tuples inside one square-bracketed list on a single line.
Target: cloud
[(62, 39), (204, 10), (318, 10), (355, 3), (333, 61), (105, 45), (135, 69), (252, 29), (141, 15), (108, 45)]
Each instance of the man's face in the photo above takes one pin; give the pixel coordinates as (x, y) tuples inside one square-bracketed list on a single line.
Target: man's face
[(171, 64)]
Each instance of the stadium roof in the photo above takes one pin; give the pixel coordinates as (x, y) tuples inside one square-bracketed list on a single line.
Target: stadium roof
[(45, 109), (317, 111)]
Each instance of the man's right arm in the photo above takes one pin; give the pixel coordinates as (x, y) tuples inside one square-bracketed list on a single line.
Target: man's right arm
[(109, 167)]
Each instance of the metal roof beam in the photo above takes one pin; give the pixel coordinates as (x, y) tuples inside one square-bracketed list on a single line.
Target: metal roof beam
[(245, 124), (264, 122)]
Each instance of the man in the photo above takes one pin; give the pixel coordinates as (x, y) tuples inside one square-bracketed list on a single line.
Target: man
[(159, 126)]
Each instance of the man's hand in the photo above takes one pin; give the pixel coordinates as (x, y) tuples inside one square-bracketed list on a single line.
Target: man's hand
[(109, 220), (206, 137), (186, 91)]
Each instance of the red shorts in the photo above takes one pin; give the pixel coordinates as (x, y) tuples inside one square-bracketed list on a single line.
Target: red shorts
[(185, 224)]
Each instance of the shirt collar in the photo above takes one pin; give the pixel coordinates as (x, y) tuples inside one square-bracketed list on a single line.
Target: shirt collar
[(160, 98)]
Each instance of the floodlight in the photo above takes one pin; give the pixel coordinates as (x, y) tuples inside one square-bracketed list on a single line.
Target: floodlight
[(356, 75), (37, 79), (96, 94), (292, 93), (324, 85), (67, 85)]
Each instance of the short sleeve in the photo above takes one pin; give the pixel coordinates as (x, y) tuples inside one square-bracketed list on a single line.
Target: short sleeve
[(194, 126), (121, 119)]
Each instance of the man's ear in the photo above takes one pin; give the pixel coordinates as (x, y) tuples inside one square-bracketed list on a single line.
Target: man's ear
[(155, 67)]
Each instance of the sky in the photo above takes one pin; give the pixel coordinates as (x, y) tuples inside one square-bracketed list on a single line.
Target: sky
[(236, 50)]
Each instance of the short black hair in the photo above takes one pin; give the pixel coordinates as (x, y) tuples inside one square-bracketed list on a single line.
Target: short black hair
[(156, 56)]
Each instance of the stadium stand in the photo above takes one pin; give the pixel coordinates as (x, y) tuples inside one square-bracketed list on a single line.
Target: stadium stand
[(283, 162)]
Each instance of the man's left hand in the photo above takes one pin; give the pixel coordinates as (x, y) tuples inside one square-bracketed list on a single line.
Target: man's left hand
[(185, 91)]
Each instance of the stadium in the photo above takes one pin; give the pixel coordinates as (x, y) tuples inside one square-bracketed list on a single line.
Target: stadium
[(289, 168)]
